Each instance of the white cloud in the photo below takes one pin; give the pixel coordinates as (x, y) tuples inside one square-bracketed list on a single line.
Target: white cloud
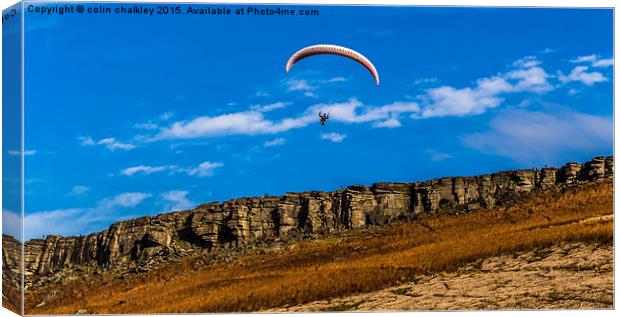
[(123, 200), (26, 153), (583, 59), (130, 171), (541, 137), (389, 123), (532, 79), (150, 125), (580, 74), (332, 80), (204, 169), (254, 122), (146, 126), (177, 200), (86, 141), (353, 111), (110, 143), (269, 107), (299, 85), (275, 142), (420, 81), (240, 123), (450, 101), (11, 223), (594, 60), (310, 94), (79, 190), (525, 76), (548, 50), (262, 94), (487, 93), (526, 62), (60, 221), (334, 137), (72, 221), (573, 91), (603, 63), (308, 87), (166, 116), (438, 156)]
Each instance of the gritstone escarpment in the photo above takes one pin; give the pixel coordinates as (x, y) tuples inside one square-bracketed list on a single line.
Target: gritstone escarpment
[(245, 222)]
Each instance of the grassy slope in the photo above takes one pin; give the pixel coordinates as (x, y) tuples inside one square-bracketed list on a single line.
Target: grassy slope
[(350, 264)]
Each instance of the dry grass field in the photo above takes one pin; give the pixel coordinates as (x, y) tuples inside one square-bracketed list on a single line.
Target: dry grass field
[(555, 277), (11, 298), (346, 264)]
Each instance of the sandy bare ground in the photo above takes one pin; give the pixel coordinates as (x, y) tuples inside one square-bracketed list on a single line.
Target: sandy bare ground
[(575, 275)]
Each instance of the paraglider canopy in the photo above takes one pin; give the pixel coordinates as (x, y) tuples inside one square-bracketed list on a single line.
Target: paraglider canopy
[(333, 50)]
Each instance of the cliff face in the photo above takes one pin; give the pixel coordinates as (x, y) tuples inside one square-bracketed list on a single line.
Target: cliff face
[(247, 221)]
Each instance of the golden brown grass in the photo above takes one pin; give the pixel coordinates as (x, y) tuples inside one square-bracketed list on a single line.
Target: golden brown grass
[(11, 297), (360, 262)]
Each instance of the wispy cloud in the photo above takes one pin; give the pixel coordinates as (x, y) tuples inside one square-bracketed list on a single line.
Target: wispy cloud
[(438, 156), (537, 137), (72, 221), (275, 142), (584, 59), (603, 63), (143, 169), (261, 93), (202, 170), (269, 107), (166, 116), (389, 123), (525, 75), (334, 137), (442, 101), (26, 152), (338, 79), (240, 123), (11, 223), (430, 80), (527, 62), (548, 50), (299, 85), (581, 74), (594, 60), (177, 200), (153, 124), (146, 126), (309, 86), (79, 190), (123, 200), (353, 111), (110, 143)]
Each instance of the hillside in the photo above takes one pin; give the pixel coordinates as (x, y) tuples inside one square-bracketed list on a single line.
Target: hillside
[(554, 277), (372, 226), (371, 260)]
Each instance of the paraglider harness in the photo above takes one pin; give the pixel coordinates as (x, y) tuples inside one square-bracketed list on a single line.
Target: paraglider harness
[(323, 118)]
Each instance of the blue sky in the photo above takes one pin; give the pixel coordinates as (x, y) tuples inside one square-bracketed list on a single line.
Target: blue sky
[(129, 115)]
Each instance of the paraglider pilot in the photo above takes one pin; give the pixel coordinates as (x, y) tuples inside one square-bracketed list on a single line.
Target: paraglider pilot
[(323, 117)]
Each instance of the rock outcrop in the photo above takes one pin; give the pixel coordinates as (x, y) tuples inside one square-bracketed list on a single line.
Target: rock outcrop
[(245, 222)]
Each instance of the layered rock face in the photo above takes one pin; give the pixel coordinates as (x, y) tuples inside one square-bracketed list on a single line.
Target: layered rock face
[(247, 221)]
